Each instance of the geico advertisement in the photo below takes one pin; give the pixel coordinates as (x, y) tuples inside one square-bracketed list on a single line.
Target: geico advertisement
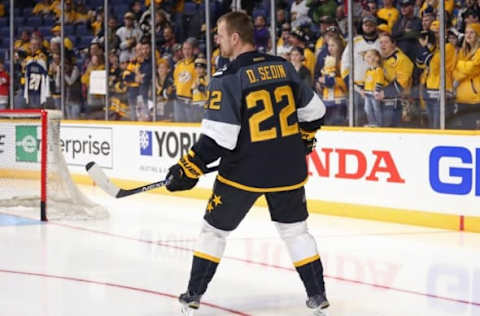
[(82, 144), (438, 173)]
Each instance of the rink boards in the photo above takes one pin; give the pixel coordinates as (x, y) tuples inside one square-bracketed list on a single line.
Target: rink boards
[(421, 177)]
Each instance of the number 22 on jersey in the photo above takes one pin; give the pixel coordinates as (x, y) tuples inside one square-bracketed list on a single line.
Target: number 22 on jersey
[(264, 97)]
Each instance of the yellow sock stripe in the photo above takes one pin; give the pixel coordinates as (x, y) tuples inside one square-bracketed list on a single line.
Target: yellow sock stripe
[(206, 257), (306, 261)]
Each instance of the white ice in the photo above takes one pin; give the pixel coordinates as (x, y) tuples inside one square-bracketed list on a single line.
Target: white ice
[(138, 261)]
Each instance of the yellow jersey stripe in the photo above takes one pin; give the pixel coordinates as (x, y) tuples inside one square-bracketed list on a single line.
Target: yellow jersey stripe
[(260, 190), (306, 261), (206, 257)]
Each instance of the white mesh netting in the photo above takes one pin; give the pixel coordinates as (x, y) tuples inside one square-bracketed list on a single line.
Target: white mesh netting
[(20, 163)]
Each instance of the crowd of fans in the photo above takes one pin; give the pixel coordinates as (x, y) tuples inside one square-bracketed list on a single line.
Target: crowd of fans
[(396, 64)]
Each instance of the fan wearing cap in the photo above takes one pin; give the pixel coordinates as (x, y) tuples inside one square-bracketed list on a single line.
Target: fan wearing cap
[(298, 38), (429, 60), (327, 23), (56, 32), (199, 88), (407, 29), (467, 80), (368, 39), (129, 35)]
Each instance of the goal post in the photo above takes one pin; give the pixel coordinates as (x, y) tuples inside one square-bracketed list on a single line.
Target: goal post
[(33, 171)]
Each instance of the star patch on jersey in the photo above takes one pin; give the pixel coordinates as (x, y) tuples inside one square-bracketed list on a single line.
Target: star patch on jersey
[(214, 201)]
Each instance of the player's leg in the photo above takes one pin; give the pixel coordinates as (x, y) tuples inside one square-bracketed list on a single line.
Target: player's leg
[(225, 210), (288, 210)]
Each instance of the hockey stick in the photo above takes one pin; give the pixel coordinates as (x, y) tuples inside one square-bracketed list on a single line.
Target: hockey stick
[(101, 179)]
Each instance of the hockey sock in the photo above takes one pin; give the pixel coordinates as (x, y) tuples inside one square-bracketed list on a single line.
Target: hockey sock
[(206, 257), (303, 252)]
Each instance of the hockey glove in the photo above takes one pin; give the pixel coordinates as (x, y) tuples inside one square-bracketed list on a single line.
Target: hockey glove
[(184, 174), (309, 140)]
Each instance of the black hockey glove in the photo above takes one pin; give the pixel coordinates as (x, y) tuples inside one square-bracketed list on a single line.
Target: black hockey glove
[(184, 174), (309, 140)]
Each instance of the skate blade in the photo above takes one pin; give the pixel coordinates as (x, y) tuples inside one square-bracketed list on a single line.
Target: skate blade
[(187, 311), (320, 312)]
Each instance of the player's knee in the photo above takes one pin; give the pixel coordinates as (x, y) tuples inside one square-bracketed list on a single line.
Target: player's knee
[(214, 232), (212, 241), (292, 230)]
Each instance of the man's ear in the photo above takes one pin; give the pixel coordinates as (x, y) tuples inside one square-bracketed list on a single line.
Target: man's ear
[(235, 38)]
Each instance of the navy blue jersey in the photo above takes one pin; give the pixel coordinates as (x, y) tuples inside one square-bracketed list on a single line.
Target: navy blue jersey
[(36, 80), (255, 107)]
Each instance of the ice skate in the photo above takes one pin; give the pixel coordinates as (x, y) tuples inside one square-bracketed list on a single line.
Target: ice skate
[(318, 304), (190, 302)]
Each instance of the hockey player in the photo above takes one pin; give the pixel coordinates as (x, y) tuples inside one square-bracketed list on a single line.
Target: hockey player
[(260, 120)]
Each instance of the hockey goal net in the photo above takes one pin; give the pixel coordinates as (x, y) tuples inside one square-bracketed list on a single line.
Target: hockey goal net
[(34, 177)]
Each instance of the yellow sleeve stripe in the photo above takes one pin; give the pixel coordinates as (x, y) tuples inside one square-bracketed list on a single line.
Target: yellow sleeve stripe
[(261, 190), (306, 261), (206, 257)]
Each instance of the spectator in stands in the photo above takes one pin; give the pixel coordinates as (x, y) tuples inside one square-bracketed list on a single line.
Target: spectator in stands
[(4, 86), (165, 90), (73, 88), (145, 76), (199, 88), (434, 4), (427, 19), (330, 85), (129, 35), (388, 13), (368, 39), (261, 35), (321, 8), (54, 75), (472, 15), (283, 45), (56, 32), (299, 39), (429, 60), (398, 70), (325, 23), (19, 79), (467, 80), (96, 21), (299, 13), (95, 103), (136, 7), (36, 84), (184, 76), (331, 32), (168, 43), (342, 20), (281, 15), (297, 59), (24, 42), (374, 83), (407, 29), (132, 78), (42, 7)]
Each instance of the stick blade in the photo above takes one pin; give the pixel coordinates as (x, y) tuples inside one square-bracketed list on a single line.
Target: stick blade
[(99, 177)]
